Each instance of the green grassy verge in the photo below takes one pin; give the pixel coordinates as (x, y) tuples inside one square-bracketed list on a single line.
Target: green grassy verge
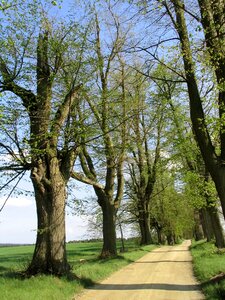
[(83, 258), (209, 268)]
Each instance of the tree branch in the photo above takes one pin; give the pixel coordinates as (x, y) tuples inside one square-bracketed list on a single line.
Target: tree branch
[(64, 110), (8, 85), (82, 178)]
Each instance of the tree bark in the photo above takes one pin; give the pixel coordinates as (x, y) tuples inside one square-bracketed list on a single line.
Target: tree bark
[(170, 239), (214, 216), (144, 223), (198, 230), (159, 235), (217, 228), (50, 253), (206, 224), (109, 226)]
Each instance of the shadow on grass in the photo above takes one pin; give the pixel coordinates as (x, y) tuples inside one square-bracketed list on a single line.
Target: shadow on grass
[(70, 277), (82, 251), (3, 269), (8, 274), (86, 282), (15, 258), (214, 290), (93, 261), (199, 244)]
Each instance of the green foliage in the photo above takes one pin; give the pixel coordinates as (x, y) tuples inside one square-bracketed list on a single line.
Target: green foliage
[(199, 192), (172, 211), (208, 264), (194, 189)]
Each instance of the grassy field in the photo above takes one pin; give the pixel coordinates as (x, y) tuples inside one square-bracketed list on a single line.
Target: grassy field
[(209, 268), (89, 270)]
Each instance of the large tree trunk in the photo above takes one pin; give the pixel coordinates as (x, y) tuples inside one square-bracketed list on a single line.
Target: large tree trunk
[(206, 224), (50, 252), (198, 230), (170, 239), (109, 227), (214, 217), (217, 228), (144, 223), (159, 235), (218, 176)]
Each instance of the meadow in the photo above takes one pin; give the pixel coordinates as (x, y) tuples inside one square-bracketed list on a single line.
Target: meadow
[(83, 258), (209, 268)]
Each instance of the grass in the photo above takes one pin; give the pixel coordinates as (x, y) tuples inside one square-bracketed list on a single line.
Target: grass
[(83, 258), (209, 268)]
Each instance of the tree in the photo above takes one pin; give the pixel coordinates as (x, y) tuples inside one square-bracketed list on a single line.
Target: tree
[(209, 16), (193, 165), (172, 215), (212, 21), (48, 96), (108, 109), (145, 152)]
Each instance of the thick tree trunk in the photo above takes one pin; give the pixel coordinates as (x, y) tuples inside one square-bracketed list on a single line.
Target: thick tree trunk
[(206, 224), (170, 239), (144, 223), (198, 231), (159, 235), (50, 252), (217, 228), (218, 176), (109, 227), (214, 218)]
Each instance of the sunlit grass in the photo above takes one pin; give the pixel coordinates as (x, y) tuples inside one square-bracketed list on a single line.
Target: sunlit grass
[(208, 263), (83, 258)]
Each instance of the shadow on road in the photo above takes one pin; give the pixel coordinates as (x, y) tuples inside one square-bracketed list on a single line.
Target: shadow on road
[(167, 251), (144, 286), (162, 261)]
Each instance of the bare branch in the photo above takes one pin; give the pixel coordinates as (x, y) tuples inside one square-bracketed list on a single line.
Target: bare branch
[(12, 191), (159, 78), (8, 182)]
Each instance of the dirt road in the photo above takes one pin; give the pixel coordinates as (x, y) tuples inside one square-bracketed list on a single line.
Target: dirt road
[(163, 274)]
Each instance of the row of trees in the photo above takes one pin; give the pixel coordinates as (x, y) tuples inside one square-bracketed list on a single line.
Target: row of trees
[(98, 101)]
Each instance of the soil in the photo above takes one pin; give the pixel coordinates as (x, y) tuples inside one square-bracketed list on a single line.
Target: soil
[(163, 274)]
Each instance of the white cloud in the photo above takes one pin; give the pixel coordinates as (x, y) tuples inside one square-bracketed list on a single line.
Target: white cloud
[(17, 202)]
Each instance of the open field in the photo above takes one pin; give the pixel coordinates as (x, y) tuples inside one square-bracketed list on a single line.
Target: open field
[(209, 268), (83, 258)]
